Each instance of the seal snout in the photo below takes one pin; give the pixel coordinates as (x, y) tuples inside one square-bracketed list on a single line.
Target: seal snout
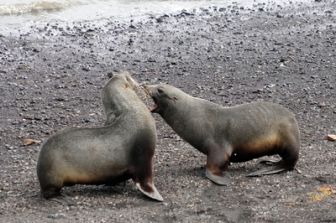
[(150, 90), (155, 107)]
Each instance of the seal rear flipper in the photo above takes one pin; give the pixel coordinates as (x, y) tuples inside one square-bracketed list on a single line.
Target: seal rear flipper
[(267, 171), (269, 162), (220, 180), (153, 193)]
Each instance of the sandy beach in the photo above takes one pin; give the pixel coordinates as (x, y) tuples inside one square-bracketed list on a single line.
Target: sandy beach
[(51, 77)]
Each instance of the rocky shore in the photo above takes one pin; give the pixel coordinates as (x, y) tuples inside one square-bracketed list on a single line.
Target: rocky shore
[(51, 77)]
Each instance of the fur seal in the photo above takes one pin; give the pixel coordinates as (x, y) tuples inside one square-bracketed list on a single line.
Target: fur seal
[(120, 150), (229, 134)]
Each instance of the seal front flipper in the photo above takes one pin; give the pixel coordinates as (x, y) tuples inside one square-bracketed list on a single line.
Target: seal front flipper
[(217, 164), (151, 192), (220, 180)]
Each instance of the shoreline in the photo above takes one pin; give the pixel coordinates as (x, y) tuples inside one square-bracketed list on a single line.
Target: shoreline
[(70, 17)]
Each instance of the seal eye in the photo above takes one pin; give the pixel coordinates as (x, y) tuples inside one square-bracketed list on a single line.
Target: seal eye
[(160, 91)]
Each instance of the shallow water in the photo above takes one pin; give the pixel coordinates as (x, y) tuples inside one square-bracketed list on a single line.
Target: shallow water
[(19, 13)]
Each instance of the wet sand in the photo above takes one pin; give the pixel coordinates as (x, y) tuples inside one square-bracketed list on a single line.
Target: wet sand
[(51, 77)]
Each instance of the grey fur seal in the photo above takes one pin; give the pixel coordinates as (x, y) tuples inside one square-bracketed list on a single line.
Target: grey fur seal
[(120, 150), (229, 134)]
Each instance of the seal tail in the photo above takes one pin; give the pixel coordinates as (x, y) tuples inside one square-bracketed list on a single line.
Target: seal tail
[(152, 193)]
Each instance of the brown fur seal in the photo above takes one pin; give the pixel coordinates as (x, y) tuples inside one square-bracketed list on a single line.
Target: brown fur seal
[(120, 150), (229, 134)]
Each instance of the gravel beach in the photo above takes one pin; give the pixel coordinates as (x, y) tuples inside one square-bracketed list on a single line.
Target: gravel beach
[(51, 77)]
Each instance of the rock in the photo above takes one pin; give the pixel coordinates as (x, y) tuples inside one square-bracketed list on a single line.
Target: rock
[(151, 60), (86, 68), (56, 216), (161, 18)]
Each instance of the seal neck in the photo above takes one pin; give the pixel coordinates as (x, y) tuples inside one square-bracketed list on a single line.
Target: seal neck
[(118, 100), (190, 120)]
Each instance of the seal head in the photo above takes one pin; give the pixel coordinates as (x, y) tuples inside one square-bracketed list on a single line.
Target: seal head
[(163, 95)]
